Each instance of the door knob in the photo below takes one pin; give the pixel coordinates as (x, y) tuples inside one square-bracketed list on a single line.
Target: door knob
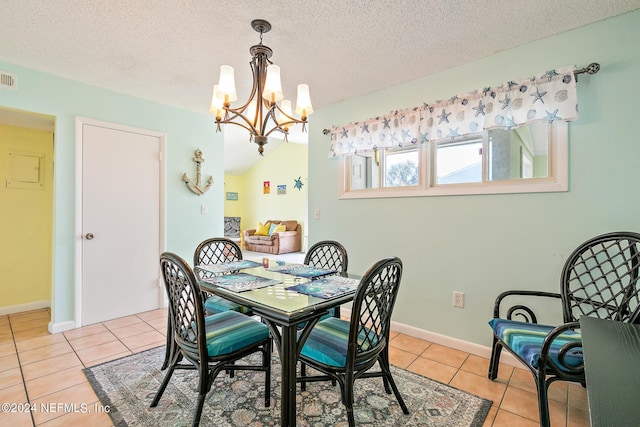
[(89, 236)]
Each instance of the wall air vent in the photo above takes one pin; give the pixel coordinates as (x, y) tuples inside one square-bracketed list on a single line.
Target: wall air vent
[(8, 80)]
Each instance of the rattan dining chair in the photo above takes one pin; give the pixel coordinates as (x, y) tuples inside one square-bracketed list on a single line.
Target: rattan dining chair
[(601, 279), (328, 254), (211, 251), (212, 343), (346, 350), (214, 251)]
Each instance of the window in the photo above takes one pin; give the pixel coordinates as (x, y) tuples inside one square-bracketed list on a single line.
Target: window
[(385, 168), (532, 158)]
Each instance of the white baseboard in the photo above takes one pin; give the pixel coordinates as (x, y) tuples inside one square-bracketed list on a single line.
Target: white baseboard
[(36, 305), (54, 328), (455, 343)]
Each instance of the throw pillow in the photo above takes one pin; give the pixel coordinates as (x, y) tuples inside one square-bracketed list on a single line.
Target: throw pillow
[(272, 227), (262, 229), (279, 228)]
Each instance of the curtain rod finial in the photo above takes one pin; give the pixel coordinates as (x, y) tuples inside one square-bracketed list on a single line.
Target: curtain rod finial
[(592, 68)]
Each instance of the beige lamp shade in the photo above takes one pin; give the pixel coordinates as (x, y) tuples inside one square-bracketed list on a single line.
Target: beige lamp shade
[(303, 103), (216, 103), (227, 84), (272, 86)]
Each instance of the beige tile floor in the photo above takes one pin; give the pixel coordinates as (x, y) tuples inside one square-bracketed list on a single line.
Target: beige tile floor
[(46, 371)]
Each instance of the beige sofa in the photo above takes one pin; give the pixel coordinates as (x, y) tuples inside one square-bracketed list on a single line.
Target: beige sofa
[(277, 243)]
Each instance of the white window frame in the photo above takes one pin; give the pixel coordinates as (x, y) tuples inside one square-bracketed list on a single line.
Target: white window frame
[(556, 181)]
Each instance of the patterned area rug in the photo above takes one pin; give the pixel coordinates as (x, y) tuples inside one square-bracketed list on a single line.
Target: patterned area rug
[(128, 385)]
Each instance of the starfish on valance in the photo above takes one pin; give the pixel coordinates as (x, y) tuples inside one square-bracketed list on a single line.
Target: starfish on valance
[(548, 96)]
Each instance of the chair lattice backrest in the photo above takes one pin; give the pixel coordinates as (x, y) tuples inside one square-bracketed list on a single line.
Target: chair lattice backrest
[(601, 279), (373, 306), (214, 251), (185, 303), (327, 254)]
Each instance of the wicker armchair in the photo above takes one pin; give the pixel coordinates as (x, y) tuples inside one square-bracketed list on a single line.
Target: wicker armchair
[(599, 279), (345, 351)]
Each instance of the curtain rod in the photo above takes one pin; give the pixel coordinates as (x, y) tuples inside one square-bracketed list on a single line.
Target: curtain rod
[(592, 68)]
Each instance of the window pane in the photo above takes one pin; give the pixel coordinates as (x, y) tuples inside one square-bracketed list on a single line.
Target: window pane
[(364, 171), (459, 162), (401, 168), (519, 153)]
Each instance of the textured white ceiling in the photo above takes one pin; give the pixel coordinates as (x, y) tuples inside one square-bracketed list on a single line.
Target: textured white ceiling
[(171, 51)]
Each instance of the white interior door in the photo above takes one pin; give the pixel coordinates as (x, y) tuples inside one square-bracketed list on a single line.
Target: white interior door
[(121, 222)]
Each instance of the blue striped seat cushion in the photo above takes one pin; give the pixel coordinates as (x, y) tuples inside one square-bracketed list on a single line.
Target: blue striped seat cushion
[(328, 342), (525, 339), (215, 305), (331, 313), (230, 331)]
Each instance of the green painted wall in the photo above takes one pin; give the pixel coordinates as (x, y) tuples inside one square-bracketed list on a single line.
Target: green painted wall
[(185, 131), (486, 244)]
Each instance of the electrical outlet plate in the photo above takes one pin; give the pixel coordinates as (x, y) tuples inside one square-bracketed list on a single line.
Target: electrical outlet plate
[(458, 299)]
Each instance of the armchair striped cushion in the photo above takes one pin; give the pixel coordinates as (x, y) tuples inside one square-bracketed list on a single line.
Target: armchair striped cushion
[(526, 339)]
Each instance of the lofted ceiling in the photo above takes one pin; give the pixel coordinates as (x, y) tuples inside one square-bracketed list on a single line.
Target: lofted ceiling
[(171, 51)]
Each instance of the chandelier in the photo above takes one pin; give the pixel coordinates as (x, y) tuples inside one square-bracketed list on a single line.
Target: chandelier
[(260, 114)]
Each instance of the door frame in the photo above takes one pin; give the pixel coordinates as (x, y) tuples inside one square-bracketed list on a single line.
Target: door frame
[(78, 240)]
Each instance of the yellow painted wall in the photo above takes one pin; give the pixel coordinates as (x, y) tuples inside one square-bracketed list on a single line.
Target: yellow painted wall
[(283, 166), (234, 184), (26, 209)]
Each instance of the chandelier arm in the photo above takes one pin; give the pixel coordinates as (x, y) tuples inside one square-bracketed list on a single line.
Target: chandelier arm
[(269, 115), (236, 113), (259, 81), (264, 117), (276, 128), (279, 129), (237, 124), (292, 120)]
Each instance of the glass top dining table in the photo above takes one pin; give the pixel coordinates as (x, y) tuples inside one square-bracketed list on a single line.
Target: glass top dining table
[(283, 309)]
